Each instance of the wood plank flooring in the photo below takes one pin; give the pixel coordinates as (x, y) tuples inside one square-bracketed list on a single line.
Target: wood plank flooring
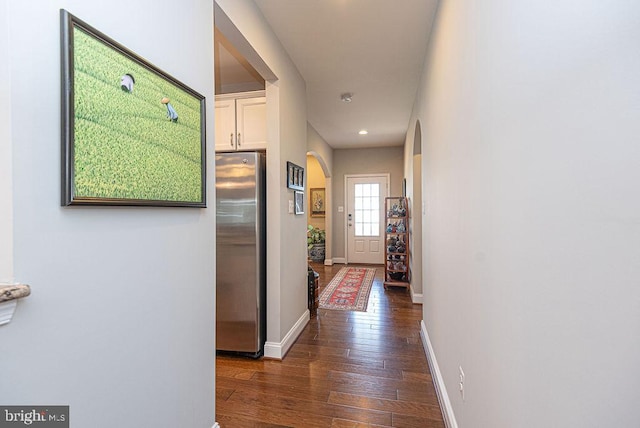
[(346, 370)]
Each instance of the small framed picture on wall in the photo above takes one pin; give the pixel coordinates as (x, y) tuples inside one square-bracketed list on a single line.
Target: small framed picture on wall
[(299, 202), (295, 176), (316, 202)]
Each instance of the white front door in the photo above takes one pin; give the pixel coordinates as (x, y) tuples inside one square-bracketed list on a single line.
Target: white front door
[(365, 218)]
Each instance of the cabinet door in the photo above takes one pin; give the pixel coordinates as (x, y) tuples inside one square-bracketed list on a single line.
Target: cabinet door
[(251, 122), (225, 125)]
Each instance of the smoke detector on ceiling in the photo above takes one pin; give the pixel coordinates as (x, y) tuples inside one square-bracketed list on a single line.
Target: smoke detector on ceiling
[(346, 97)]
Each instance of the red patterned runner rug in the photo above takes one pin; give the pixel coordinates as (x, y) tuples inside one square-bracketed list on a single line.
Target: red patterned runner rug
[(348, 290)]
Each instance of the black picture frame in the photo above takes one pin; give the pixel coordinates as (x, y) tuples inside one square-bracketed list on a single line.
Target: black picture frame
[(295, 176), (131, 133), (299, 202)]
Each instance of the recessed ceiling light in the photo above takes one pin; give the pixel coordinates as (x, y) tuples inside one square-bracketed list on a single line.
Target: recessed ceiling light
[(363, 132)]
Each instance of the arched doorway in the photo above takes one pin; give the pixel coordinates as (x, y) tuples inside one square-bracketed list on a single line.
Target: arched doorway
[(319, 183)]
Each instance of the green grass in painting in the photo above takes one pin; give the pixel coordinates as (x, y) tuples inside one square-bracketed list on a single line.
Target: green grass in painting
[(125, 147)]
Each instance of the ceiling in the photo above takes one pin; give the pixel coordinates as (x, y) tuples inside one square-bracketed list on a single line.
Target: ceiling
[(373, 49)]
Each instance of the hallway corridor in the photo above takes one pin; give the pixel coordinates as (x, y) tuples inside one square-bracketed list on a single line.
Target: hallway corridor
[(347, 369)]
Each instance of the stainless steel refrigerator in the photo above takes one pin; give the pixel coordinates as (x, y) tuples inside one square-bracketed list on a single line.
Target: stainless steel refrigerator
[(241, 252)]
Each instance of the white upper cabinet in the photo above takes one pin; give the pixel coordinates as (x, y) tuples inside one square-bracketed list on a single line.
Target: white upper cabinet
[(241, 121), (225, 125)]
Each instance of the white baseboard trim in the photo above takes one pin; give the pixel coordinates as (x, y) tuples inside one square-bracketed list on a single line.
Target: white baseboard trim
[(416, 298), (277, 350), (328, 262), (438, 381), (340, 260)]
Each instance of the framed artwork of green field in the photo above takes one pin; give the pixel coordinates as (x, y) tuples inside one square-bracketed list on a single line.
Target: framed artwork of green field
[(131, 134)]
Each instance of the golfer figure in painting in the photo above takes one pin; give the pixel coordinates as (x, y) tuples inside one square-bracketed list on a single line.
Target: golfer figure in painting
[(171, 112), (126, 82)]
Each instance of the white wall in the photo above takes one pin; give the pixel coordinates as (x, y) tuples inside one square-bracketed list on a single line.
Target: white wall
[(413, 175), (286, 233), (415, 220), (6, 162), (529, 116), (121, 321), (317, 144)]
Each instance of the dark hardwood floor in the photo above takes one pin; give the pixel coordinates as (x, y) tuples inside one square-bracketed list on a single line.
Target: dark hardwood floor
[(346, 370)]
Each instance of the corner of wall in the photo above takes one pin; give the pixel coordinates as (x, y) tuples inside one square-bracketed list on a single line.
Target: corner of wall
[(416, 298), (277, 350)]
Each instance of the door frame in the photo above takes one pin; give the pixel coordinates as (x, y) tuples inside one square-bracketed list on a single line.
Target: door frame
[(346, 204)]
